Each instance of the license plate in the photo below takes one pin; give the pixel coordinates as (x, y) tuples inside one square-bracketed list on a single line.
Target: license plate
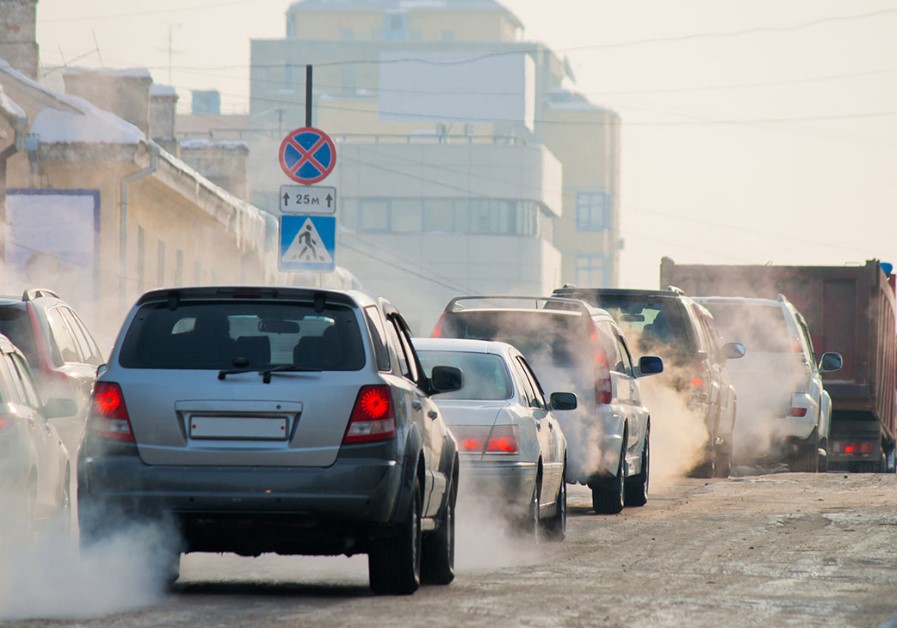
[(238, 428)]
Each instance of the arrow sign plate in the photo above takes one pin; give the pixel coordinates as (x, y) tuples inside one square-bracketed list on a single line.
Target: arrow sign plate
[(307, 199)]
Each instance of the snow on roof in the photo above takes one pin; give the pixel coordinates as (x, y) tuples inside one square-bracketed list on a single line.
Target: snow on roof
[(75, 120), (124, 72), (201, 143), (11, 111), (163, 90)]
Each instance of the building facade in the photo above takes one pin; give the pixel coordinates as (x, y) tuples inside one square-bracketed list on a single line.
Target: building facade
[(465, 164)]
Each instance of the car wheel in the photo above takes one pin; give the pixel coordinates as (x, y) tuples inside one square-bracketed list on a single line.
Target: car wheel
[(394, 562), (555, 528), (722, 463), (637, 487), (438, 549), (608, 494), (532, 522), (807, 458)]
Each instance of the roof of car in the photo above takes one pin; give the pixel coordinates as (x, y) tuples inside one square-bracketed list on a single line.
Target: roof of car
[(238, 292), (564, 306), (460, 344), (625, 292)]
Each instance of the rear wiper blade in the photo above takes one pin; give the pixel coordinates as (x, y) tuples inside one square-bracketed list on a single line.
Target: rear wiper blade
[(266, 372)]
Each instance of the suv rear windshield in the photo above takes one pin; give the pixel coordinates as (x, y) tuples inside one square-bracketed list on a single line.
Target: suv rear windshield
[(758, 327), (650, 323), (542, 336), (228, 334), (15, 324)]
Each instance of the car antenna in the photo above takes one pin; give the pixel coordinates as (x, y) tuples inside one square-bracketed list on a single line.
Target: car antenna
[(319, 302), (174, 298)]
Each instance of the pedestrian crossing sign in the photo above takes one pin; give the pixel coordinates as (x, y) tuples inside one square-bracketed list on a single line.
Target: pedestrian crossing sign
[(307, 242)]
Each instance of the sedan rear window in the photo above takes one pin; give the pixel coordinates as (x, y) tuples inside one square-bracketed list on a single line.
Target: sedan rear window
[(229, 334), (485, 375)]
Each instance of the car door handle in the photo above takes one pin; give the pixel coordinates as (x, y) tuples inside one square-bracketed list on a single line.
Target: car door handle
[(433, 414), (416, 404)]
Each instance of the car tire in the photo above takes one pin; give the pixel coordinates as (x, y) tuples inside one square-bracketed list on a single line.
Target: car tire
[(438, 549), (722, 463), (394, 562), (531, 525), (637, 487), (807, 458), (555, 528), (608, 494)]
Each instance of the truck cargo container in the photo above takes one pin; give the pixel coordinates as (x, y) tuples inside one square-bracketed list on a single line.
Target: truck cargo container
[(848, 309)]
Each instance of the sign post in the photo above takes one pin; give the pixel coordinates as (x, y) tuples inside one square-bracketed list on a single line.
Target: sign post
[(308, 222)]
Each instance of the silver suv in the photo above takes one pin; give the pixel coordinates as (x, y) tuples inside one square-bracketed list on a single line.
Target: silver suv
[(573, 346), (285, 420), (784, 413)]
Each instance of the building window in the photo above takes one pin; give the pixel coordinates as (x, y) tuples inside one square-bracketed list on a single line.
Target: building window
[(373, 215), (396, 26), (179, 268), (592, 210), (590, 271)]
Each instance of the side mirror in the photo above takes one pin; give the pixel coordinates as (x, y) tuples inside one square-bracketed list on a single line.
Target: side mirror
[(56, 408), (733, 350), (649, 365), (563, 401), (830, 361), (446, 379)]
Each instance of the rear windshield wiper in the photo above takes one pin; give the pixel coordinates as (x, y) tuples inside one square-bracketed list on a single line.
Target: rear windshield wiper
[(266, 372)]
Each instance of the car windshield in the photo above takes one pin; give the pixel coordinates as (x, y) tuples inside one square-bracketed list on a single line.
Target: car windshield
[(654, 325), (229, 334), (485, 375), (555, 338), (758, 327)]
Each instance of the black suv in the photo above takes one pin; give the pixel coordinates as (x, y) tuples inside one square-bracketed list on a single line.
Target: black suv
[(683, 333), (60, 350)]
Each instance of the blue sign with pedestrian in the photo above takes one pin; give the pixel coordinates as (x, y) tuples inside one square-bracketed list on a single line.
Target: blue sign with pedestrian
[(307, 242), (307, 155)]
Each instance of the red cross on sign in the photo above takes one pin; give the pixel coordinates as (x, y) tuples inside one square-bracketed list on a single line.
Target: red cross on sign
[(307, 155)]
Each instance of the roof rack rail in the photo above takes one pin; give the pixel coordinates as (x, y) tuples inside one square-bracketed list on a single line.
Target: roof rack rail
[(677, 290), (36, 293)]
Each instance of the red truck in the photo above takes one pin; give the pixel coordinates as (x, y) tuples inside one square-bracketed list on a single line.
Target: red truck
[(849, 309)]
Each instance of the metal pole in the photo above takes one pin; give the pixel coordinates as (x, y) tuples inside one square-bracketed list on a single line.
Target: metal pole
[(308, 95)]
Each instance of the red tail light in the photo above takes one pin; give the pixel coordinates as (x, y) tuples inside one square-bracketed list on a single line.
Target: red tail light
[(604, 393), (437, 330), (373, 418), (853, 447), (478, 439), (503, 440), (108, 413), (798, 412), (4, 423)]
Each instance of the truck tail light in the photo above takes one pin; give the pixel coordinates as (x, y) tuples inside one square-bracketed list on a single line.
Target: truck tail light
[(108, 413), (372, 418), (853, 447)]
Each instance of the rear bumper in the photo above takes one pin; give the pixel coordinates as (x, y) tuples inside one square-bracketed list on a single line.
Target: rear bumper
[(300, 510), (507, 484)]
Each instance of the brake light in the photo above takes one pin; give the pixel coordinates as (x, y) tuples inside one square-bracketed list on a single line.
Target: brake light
[(372, 417), (437, 330), (603, 386), (798, 412), (503, 440), (108, 413), (4, 423), (854, 447)]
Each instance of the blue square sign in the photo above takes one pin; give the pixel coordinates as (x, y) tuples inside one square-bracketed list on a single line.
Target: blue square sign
[(307, 243)]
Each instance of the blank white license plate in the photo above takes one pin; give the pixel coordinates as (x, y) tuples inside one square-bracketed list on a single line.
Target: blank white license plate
[(238, 428)]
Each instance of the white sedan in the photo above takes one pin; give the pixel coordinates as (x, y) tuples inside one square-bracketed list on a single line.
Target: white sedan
[(511, 446)]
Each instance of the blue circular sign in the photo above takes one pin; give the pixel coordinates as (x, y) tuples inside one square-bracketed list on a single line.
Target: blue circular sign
[(307, 155)]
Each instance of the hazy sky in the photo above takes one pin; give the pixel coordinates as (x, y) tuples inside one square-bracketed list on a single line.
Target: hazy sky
[(760, 131)]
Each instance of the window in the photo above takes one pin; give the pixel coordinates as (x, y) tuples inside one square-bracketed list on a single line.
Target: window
[(61, 338), (592, 210), (87, 349), (396, 26), (25, 380), (590, 270), (373, 215), (378, 335)]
